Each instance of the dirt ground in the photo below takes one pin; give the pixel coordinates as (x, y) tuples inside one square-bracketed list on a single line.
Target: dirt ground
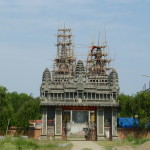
[(89, 145), (85, 145), (144, 146), (124, 147)]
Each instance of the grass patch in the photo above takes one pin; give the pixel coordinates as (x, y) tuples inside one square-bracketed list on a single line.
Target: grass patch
[(108, 145), (86, 149), (19, 143), (136, 141), (131, 141)]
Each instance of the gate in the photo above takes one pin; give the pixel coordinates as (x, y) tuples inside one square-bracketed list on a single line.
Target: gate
[(79, 124), (90, 134)]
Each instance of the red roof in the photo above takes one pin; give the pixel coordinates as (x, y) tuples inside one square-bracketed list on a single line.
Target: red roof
[(35, 121)]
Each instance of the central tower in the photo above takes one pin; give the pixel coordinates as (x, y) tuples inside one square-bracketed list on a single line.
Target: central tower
[(65, 61)]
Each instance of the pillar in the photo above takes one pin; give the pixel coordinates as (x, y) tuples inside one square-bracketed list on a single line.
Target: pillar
[(71, 116), (44, 121), (114, 123), (89, 116), (100, 123), (58, 121)]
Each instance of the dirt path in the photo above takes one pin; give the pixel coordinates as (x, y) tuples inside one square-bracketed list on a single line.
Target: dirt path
[(89, 145)]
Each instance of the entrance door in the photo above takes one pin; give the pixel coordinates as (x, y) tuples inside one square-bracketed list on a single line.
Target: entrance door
[(91, 133), (65, 121), (79, 125)]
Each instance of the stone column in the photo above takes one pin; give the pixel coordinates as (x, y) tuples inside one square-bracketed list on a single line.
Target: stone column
[(89, 116), (71, 116), (44, 121), (114, 123), (100, 123), (58, 121), (65, 95)]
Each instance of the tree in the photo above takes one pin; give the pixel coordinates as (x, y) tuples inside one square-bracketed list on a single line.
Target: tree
[(142, 102), (28, 111), (6, 109), (136, 106), (17, 109), (125, 105)]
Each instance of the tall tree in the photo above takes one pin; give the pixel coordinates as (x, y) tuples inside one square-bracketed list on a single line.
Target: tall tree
[(136, 106), (6, 109), (17, 109)]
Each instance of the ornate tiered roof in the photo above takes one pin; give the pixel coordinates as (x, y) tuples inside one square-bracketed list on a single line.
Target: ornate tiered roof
[(76, 84)]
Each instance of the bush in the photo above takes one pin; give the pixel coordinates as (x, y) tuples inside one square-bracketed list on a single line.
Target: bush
[(136, 141), (22, 143)]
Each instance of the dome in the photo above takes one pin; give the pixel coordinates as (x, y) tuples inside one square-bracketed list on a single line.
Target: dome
[(113, 74), (46, 75), (80, 67), (113, 78)]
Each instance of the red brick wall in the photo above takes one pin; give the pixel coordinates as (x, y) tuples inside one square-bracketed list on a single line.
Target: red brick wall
[(125, 132), (122, 132), (33, 132)]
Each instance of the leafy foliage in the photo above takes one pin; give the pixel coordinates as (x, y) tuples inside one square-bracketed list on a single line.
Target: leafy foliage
[(136, 106), (17, 109)]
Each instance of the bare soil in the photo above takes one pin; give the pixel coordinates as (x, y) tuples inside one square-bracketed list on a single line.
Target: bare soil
[(124, 147), (144, 146), (89, 145)]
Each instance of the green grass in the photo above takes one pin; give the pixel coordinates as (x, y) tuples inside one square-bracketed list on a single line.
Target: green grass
[(86, 149), (131, 141), (136, 141), (20, 143)]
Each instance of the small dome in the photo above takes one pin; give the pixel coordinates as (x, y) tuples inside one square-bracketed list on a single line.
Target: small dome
[(113, 73), (113, 70), (80, 62), (113, 78), (80, 67), (46, 70), (46, 75)]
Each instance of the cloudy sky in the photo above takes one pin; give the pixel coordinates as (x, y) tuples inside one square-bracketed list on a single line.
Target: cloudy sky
[(28, 29)]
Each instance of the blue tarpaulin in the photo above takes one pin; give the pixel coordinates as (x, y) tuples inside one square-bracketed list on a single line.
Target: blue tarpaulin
[(127, 122)]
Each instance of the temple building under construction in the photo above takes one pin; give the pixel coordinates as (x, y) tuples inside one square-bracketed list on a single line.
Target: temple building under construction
[(79, 100)]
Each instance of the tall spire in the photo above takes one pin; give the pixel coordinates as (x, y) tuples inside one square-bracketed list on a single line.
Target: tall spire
[(65, 60), (97, 62)]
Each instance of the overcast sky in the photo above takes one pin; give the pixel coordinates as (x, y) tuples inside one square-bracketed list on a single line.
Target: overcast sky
[(28, 29)]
